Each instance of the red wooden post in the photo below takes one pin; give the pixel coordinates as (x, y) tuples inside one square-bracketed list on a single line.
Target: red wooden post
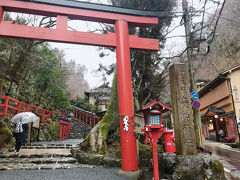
[(63, 131), (1, 13), (18, 108), (125, 98), (60, 131), (155, 136), (5, 109), (36, 109)]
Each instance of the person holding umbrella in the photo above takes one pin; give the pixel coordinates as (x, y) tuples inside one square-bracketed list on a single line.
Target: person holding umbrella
[(20, 132)]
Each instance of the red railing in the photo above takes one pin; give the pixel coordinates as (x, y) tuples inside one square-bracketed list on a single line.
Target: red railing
[(65, 125), (86, 117), (10, 106)]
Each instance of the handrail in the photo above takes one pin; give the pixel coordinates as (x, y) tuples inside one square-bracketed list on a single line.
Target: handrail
[(87, 118), (18, 108)]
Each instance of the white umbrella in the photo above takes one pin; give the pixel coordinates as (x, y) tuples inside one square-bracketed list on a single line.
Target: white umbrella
[(25, 116)]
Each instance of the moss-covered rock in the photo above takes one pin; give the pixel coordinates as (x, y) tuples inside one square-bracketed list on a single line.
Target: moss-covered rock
[(190, 167), (217, 170), (6, 136)]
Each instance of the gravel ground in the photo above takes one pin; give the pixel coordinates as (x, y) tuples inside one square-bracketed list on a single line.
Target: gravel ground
[(97, 173)]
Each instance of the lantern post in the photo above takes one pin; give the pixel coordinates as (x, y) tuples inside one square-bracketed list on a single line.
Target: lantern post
[(154, 129)]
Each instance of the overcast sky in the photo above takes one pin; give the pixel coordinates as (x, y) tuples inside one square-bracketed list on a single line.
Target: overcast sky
[(89, 55)]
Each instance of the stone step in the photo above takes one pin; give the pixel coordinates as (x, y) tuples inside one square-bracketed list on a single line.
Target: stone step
[(68, 160), (43, 155), (42, 166), (44, 145), (48, 146)]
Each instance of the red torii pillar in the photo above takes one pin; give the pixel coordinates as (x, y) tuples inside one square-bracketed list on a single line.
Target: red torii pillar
[(125, 97)]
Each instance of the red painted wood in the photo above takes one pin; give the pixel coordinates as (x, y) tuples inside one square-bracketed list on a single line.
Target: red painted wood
[(74, 13), (62, 22), (5, 109), (75, 37), (18, 108), (1, 13), (60, 132), (156, 102), (125, 98)]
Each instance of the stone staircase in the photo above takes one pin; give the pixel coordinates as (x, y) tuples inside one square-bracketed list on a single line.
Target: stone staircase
[(40, 156), (78, 130)]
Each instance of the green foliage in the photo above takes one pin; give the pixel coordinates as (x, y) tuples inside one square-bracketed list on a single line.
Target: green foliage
[(6, 137), (53, 130), (31, 71)]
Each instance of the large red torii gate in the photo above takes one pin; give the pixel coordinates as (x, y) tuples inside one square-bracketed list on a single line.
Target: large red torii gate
[(120, 39)]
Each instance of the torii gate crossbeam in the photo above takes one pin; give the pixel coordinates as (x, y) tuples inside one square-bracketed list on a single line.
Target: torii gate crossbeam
[(120, 39)]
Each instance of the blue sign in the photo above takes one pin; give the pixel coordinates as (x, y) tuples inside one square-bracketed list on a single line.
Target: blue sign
[(194, 96), (196, 104)]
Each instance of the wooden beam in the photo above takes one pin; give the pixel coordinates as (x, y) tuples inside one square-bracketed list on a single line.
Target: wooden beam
[(76, 37)]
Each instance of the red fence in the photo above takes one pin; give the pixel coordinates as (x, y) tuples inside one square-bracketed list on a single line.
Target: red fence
[(88, 118), (10, 106), (85, 117)]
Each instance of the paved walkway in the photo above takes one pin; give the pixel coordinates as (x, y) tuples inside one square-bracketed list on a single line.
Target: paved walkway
[(88, 173), (230, 157)]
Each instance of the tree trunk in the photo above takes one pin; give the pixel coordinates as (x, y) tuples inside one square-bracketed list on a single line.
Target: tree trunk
[(107, 130)]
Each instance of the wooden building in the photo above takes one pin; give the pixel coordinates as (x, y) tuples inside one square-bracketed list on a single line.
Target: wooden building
[(99, 96), (220, 105)]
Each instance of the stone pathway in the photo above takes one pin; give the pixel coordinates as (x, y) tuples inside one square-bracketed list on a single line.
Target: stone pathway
[(230, 157)]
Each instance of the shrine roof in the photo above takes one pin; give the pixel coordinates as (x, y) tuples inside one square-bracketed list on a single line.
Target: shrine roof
[(159, 103)]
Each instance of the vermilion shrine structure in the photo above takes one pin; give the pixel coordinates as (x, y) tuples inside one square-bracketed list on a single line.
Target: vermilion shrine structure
[(122, 18)]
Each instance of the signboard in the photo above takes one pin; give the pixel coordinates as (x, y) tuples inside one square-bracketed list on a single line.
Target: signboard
[(36, 124), (194, 96), (196, 104), (232, 127)]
